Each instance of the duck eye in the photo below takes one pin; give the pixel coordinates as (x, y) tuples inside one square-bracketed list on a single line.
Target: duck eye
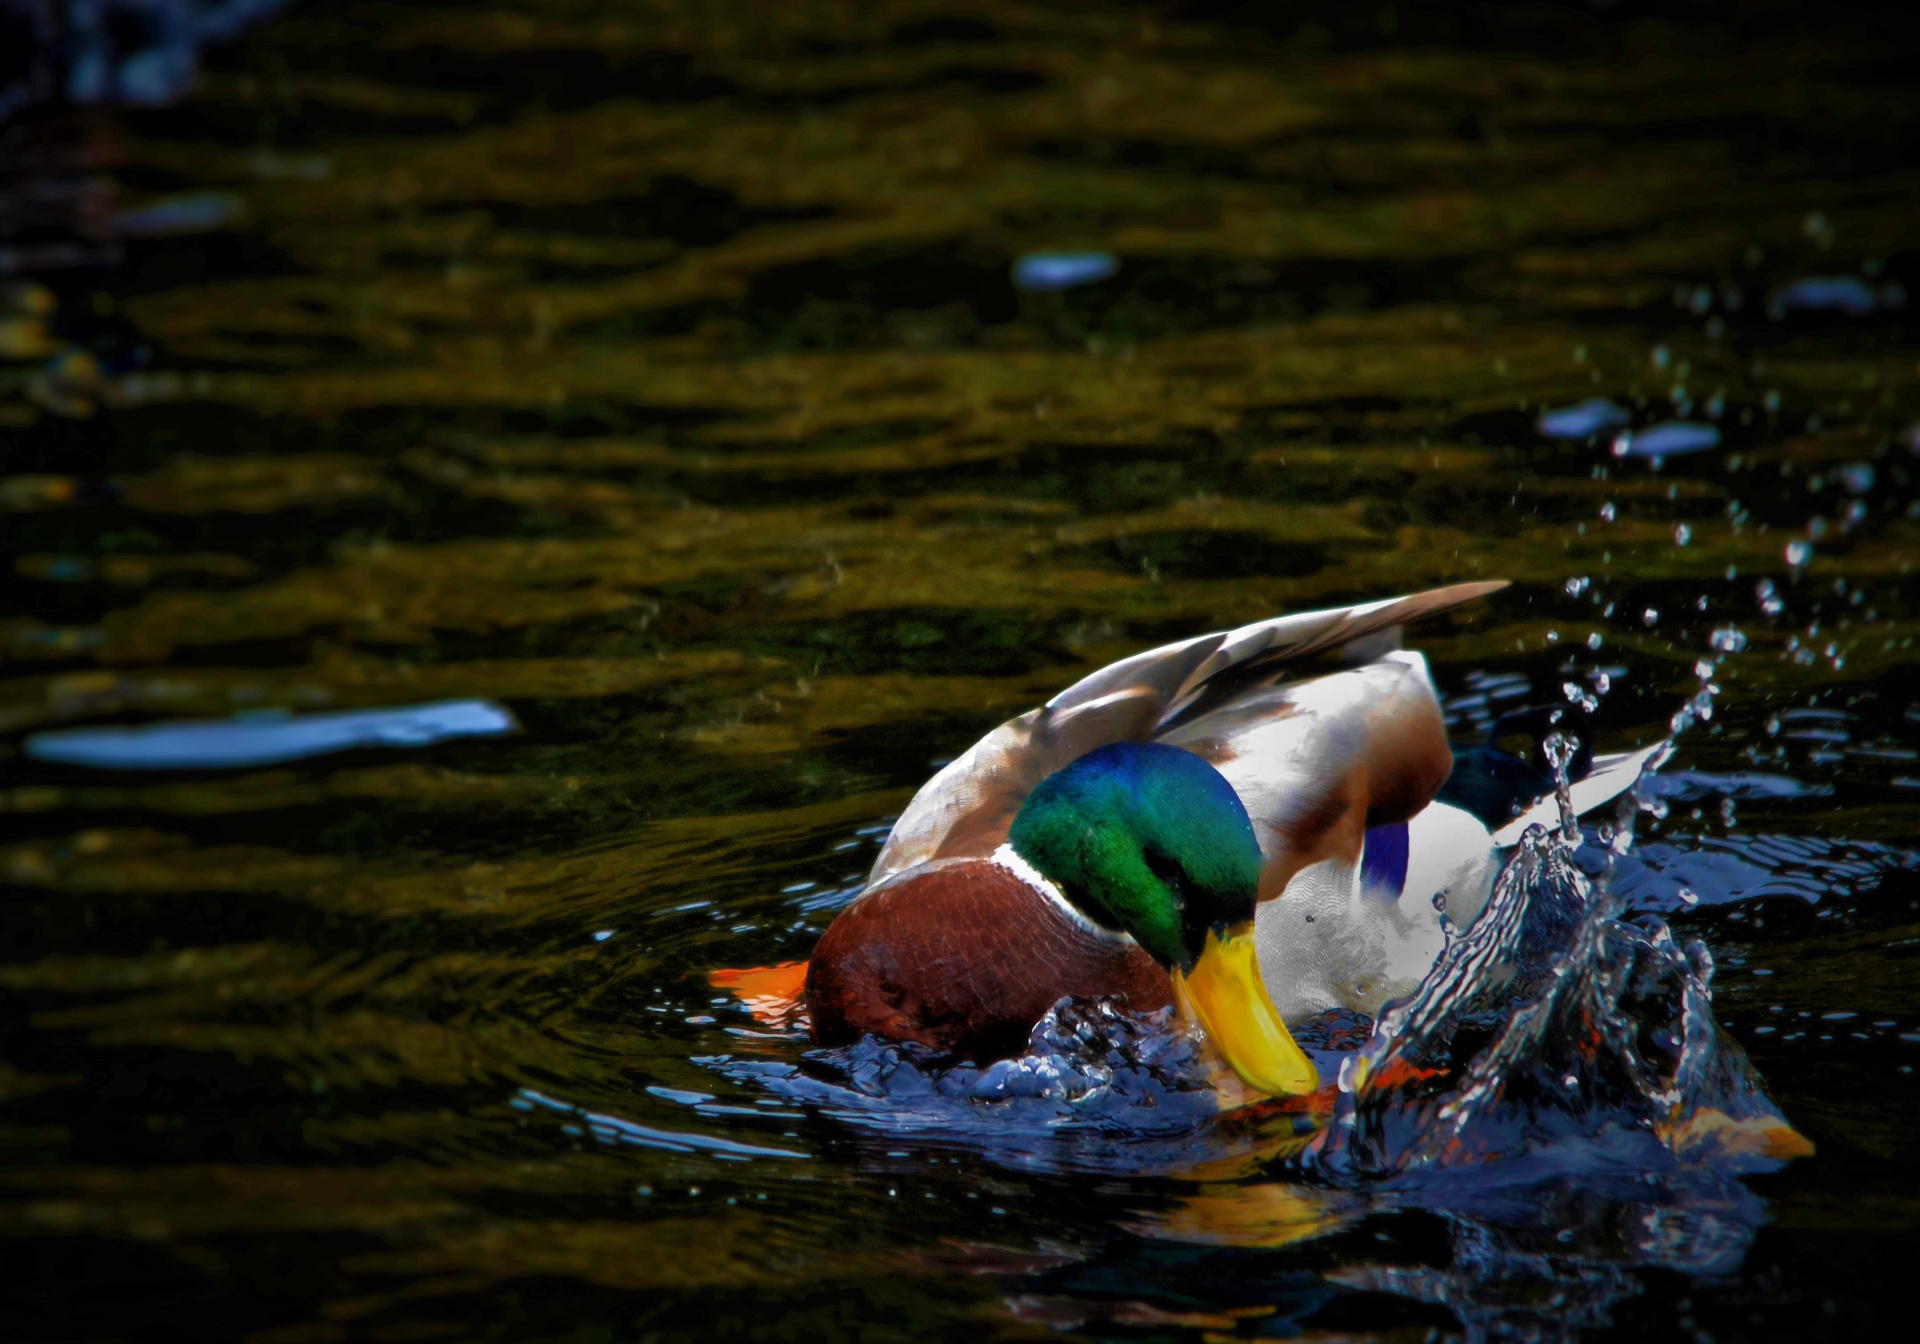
[(1169, 871), (1196, 915)]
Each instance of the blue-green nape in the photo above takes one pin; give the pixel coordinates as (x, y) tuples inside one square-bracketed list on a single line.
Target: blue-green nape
[(1147, 839)]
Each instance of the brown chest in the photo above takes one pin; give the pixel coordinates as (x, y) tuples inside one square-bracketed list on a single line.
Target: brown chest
[(965, 958)]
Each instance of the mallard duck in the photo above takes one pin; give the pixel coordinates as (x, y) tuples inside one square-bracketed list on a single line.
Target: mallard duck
[(1260, 824)]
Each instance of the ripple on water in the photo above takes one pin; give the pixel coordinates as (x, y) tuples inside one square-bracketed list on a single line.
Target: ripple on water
[(1676, 874), (612, 1129)]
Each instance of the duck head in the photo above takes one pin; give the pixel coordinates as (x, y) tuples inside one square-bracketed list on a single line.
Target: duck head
[(1151, 841)]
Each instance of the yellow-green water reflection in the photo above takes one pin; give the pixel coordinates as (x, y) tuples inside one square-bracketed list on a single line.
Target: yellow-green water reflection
[(655, 370)]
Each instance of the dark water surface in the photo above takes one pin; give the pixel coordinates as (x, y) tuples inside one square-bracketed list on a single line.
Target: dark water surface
[(656, 372)]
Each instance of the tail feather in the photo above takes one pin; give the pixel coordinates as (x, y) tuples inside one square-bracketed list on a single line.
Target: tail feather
[(775, 995)]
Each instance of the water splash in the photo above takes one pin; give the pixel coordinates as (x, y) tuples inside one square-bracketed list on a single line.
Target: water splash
[(1558, 1036), (1098, 1088)]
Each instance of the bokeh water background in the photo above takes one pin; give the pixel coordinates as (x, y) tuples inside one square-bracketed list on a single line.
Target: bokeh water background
[(715, 416)]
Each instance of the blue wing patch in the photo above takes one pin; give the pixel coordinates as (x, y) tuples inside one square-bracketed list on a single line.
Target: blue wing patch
[(1383, 860)]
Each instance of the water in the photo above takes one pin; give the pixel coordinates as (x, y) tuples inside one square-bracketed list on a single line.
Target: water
[(662, 379)]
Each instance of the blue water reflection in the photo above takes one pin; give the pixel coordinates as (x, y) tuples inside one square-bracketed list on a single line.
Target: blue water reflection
[(1669, 438), (1595, 415), (266, 737), (1845, 294), (614, 1130), (1041, 272)]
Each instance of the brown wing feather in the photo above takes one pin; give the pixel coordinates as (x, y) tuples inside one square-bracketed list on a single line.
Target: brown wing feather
[(964, 957), (966, 809), (1318, 762)]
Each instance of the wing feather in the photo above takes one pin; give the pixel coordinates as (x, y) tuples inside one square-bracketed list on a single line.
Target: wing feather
[(967, 808), (1320, 762)]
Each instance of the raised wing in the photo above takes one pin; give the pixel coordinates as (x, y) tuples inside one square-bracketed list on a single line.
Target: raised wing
[(966, 810)]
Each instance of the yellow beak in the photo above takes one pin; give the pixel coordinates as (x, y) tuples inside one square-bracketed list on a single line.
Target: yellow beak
[(1231, 1001)]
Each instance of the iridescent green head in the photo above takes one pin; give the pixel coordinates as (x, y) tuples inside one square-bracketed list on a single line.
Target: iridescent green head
[(1146, 839)]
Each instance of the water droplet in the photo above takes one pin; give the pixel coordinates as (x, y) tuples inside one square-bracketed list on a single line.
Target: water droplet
[(1594, 641), (1651, 616), (1857, 477), (1606, 512), (1682, 535), (1799, 553)]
